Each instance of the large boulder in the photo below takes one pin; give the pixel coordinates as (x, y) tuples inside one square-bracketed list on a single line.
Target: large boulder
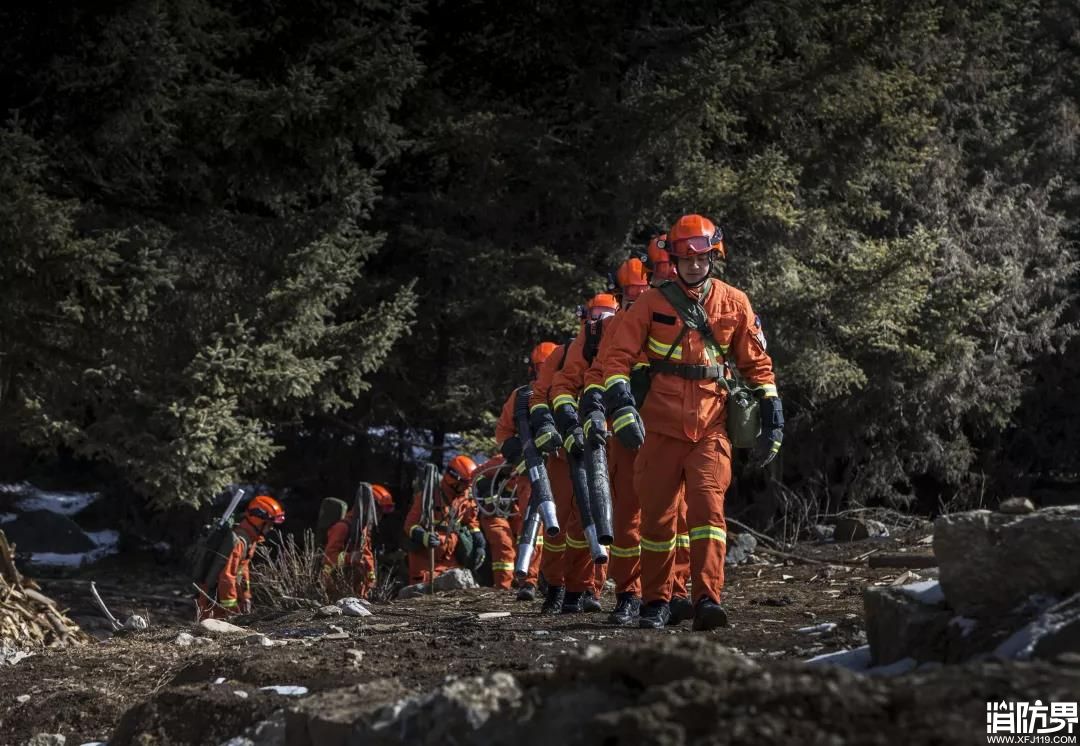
[(991, 563), (44, 531), (1054, 633), (906, 622)]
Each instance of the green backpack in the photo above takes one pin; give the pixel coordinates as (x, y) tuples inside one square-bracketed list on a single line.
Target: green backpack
[(743, 417)]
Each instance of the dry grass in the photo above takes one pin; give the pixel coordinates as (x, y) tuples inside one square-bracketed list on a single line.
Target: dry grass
[(285, 574)]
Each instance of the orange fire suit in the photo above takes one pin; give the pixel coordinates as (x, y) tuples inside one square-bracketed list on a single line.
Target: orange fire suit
[(686, 437), (625, 549), (349, 556), (566, 386), (504, 532), (234, 580), (449, 511), (562, 564)]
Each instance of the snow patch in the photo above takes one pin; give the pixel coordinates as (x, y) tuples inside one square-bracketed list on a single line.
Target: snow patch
[(63, 503), (107, 542), (288, 691), (927, 592), (7, 517), (965, 624), (857, 659)]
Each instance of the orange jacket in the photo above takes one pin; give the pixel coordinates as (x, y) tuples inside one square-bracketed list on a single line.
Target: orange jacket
[(594, 376), (542, 384), (234, 581), (675, 406), (461, 506), (340, 545), (567, 383), (506, 427)]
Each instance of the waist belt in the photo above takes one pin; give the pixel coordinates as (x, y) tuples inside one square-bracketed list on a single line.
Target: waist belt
[(690, 372)]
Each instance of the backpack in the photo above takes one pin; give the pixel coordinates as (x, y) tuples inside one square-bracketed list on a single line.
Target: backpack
[(210, 552), (743, 417), (331, 510)]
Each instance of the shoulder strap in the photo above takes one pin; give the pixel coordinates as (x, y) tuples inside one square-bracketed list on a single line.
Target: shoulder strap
[(690, 311), (565, 349)]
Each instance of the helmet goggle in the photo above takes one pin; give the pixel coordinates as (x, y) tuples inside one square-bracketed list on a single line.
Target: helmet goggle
[(264, 515), (696, 244)]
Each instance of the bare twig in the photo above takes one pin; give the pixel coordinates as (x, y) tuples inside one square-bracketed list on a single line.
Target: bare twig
[(116, 625)]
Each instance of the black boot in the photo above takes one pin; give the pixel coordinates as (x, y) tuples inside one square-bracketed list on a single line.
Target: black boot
[(526, 592), (681, 610), (627, 608), (590, 604), (654, 615), (553, 601), (572, 602), (709, 615)]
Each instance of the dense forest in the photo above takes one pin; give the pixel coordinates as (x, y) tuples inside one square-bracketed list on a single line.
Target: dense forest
[(290, 241)]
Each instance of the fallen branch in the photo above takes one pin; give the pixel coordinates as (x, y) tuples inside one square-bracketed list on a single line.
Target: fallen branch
[(763, 537), (116, 625), (907, 561)]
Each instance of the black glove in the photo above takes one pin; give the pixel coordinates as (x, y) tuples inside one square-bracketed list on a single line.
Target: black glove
[(566, 420), (479, 549), (591, 401), (425, 538), (545, 436), (626, 422), (772, 431), (511, 449), (595, 430)]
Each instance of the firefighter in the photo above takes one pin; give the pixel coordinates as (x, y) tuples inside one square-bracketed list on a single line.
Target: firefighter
[(546, 438), (349, 553), (583, 584), (506, 435), (681, 428), (455, 522), (232, 591), (502, 499)]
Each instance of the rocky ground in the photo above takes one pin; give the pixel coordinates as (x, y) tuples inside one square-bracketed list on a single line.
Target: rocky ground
[(485, 669)]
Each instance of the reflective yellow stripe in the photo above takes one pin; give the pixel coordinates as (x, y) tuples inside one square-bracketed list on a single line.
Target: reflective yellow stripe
[(639, 366), (543, 439), (658, 546), (539, 540), (615, 379), (228, 603), (768, 390), (341, 559), (564, 399), (708, 533), (576, 544), (661, 349), (538, 406), (569, 442), (625, 552), (682, 540), (592, 386), (550, 547), (623, 421), (502, 565)]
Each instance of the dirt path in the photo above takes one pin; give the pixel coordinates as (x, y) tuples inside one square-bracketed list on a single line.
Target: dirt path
[(406, 647)]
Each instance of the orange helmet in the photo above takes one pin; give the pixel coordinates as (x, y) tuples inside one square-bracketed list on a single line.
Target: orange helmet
[(264, 509), (541, 352), (660, 260), (383, 498), (693, 235), (632, 279), (600, 306), (459, 473)]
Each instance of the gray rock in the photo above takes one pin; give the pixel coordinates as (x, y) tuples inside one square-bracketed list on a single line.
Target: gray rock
[(740, 548), (136, 623), (1016, 506), (353, 607), (857, 529), (412, 591), (454, 708), (221, 627), (905, 624), (184, 640), (328, 718), (991, 563), (822, 532), (328, 611), (455, 580), (238, 741)]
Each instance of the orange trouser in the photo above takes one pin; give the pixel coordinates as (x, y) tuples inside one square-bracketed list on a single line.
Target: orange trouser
[(502, 536), (662, 464), (559, 565), (625, 550)]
